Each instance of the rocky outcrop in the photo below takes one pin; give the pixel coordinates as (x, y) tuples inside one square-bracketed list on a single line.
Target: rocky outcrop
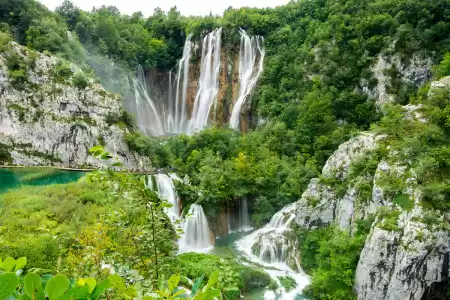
[(47, 117), (406, 252), (320, 205), (402, 264), (388, 69)]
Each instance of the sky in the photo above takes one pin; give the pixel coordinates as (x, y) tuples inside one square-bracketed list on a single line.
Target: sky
[(186, 7)]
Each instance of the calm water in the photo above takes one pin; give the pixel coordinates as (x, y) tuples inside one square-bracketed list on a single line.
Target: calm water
[(12, 178)]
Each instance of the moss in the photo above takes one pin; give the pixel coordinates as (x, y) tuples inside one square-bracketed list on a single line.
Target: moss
[(5, 155), (388, 219), (19, 109), (404, 201)]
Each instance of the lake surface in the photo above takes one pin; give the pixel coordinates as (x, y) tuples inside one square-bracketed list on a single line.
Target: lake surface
[(13, 178)]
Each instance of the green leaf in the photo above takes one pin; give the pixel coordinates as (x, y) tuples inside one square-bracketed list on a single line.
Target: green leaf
[(8, 284), (56, 286), (208, 295), (117, 282), (89, 282), (172, 283), (8, 264), (100, 289), (20, 263), (32, 284), (76, 293), (197, 283), (96, 149), (178, 293)]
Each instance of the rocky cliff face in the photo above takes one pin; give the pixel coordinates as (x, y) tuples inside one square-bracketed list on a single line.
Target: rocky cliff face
[(406, 252), (50, 114)]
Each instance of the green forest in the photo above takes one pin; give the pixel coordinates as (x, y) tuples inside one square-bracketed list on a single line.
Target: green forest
[(62, 241)]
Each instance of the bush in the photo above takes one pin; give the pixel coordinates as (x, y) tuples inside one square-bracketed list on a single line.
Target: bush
[(80, 80)]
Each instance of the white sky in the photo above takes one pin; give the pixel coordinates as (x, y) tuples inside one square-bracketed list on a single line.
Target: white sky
[(186, 7)]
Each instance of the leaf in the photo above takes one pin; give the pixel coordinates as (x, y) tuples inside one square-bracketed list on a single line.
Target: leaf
[(76, 293), (9, 264), (32, 284), (178, 293), (8, 284), (89, 282), (100, 289), (208, 295), (117, 282), (20, 263), (96, 149), (56, 286), (212, 280), (197, 283), (173, 281)]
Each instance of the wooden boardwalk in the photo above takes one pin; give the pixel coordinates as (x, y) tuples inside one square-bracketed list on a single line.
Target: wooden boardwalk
[(75, 169)]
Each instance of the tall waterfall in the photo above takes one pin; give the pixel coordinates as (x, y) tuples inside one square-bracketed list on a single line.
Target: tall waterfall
[(178, 109), (196, 236), (165, 187), (238, 216), (149, 115), (271, 247), (251, 59), (208, 85)]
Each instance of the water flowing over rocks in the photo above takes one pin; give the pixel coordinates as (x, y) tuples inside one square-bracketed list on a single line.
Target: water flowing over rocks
[(46, 121)]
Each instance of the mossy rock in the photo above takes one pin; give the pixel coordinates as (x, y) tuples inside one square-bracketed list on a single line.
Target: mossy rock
[(253, 278)]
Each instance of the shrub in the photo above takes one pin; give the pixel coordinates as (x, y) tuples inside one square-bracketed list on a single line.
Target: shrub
[(80, 80)]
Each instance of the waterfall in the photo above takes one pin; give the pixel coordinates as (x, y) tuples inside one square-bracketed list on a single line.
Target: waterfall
[(272, 247), (178, 112), (196, 236), (251, 59), (208, 84), (163, 184), (148, 114)]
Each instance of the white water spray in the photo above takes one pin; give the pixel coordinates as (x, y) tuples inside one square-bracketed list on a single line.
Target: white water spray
[(166, 190), (271, 247), (251, 59), (208, 84), (196, 236)]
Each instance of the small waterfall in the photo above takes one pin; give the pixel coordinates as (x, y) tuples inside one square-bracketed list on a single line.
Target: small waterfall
[(272, 247), (163, 184), (251, 59), (208, 84), (196, 236)]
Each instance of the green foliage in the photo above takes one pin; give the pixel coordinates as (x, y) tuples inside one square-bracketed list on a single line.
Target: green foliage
[(388, 218), (330, 256), (443, 69), (80, 80), (231, 275), (288, 283)]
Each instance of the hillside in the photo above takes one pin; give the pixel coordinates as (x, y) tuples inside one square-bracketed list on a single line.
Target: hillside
[(322, 126)]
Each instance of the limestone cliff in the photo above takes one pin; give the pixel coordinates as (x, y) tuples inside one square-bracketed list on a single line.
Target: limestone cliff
[(406, 252), (51, 113)]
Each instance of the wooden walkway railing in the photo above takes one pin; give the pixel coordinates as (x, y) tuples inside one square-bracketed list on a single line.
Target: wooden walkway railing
[(73, 169)]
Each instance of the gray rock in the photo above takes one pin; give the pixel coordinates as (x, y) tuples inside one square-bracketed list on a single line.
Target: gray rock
[(48, 121)]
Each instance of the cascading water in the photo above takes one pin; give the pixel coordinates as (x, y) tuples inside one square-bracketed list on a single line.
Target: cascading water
[(165, 187), (149, 116), (208, 85), (251, 59), (238, 216), (196, 236), (178, 110), (271, 247)]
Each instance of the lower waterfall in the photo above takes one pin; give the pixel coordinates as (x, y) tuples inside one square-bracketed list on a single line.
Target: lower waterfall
[(163, 184), (196, 235), (271, 247)]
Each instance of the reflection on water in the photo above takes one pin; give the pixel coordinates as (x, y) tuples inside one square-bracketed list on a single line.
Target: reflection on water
[(12, 178)]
